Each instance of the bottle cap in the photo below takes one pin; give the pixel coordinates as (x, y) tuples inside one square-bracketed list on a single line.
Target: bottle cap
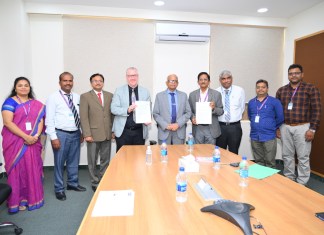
[(181, 168), (216, 147), (244, 158)]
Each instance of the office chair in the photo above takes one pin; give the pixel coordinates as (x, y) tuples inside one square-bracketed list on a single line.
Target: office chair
[(5, 191)]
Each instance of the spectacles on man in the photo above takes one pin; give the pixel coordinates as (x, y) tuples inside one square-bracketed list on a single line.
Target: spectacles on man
[(132, 75), (97, 81), (295, 73), (172, 81)]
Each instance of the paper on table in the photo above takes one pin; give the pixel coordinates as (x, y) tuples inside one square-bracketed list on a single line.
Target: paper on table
[(260, 172), (143, 112), (114, 203), (203, 113)]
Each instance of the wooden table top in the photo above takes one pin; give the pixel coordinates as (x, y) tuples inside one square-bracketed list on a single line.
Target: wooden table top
[(281, 205)]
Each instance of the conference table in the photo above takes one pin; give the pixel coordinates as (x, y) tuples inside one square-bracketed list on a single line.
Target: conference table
[(281, 205)]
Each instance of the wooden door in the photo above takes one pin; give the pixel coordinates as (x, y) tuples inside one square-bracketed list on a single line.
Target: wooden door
[(309, 52)]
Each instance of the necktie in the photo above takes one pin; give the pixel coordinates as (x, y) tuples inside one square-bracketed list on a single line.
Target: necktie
[(133, 102), (173, 109), (99, 97), (227, 106), (133, 96), (74, 111)]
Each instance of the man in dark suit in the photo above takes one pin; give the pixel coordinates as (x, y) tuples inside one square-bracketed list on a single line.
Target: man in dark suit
[(171, 112), (96, 123), (206, 133)]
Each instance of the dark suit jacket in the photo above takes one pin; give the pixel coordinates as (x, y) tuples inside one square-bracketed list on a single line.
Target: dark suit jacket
[(96, 120), (215, 96)]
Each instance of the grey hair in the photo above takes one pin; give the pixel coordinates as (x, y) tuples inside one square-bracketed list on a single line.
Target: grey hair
[(131, 68), (225, 72)]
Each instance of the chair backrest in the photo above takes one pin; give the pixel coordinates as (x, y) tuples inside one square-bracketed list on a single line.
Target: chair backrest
[(5, 191)]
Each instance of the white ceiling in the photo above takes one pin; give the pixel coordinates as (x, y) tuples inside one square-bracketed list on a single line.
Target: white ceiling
[(277, 8)]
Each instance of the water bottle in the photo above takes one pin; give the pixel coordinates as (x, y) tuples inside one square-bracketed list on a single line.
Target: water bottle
[(148, 158), (164, 152), (216, 158), (181, 185), (190, 143), (244, 172)]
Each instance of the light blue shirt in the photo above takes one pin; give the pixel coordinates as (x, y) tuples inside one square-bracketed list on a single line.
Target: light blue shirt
[(58, 113), (170, 102)]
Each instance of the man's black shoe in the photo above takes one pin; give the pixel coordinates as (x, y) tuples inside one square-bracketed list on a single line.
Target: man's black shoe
[(78, 188), (94, 188), (60, 196)]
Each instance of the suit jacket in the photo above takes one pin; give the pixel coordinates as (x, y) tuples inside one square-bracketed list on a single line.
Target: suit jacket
[(162, 115), (215, 96), (120, 104), (96, 120)]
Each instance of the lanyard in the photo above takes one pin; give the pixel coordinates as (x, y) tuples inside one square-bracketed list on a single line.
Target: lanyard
[(26, 112), (206, 97), (263, 103), (293, 94), (67, 103)]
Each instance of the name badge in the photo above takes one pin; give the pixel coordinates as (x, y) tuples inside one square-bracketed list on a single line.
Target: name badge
[(290, 106), (257, 118), (71, 117), (28, 126)]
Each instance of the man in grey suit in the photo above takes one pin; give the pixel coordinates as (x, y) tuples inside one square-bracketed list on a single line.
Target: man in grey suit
[(96, 124), (128, 132), (171, 112), (206, 133)]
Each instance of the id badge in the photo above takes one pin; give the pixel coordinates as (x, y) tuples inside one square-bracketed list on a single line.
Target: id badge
[(257, 118), (71, 117), (28, 126), (290, 106)]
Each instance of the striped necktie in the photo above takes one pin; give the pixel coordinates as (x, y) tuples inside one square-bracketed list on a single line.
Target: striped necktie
[(74, 111), (227, 106)]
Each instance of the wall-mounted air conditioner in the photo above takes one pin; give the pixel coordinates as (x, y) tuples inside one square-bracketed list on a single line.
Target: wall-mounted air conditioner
[(181, 32)]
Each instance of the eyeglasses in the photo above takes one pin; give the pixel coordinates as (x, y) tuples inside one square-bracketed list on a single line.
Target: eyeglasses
[(132, 75), (295, 73), (172, 81), (97, 81)]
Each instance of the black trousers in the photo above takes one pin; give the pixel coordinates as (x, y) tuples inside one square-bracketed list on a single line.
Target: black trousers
[(130, 137), (230, 138)]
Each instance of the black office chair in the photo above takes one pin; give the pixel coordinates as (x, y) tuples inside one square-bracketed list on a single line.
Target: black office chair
[(5, 191)]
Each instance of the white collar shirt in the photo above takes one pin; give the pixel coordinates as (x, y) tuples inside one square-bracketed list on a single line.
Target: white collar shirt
[(237, 103)]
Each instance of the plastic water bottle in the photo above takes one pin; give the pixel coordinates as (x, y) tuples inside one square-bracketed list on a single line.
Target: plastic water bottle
[(216, 158), (190, 143), (164, 152), (244, 172), (148, 158), (181, 185)]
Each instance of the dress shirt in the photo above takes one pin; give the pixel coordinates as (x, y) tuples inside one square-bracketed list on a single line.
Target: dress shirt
[(102, 96), (237, 103), (306, 104), (170, 102), (271, 116), (58, 113), (203, 96)]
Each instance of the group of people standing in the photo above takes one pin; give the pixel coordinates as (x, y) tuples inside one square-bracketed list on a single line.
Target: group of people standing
[(99, 116)]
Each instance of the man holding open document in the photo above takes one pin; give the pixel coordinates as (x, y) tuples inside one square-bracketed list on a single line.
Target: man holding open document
[(127, 130), (206, 105)]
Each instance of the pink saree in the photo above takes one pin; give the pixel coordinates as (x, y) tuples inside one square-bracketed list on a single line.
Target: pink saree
[(23, 163)]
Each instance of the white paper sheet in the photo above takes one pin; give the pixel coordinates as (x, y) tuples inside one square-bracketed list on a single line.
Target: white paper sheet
[(114, 203), (143, 112), (203, 113)]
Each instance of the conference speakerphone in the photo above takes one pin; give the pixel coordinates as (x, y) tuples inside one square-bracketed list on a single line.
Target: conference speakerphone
[(237, 213)]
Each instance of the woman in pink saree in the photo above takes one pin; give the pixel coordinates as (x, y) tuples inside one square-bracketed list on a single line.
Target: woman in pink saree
[(23, 119)]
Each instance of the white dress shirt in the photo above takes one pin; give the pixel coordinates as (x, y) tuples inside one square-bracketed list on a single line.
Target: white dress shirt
[(58, 113), (237, 103)]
